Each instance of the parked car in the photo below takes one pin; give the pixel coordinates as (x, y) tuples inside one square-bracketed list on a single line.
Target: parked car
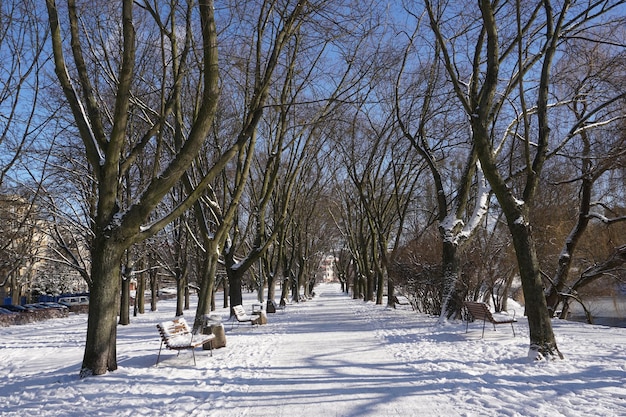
[(36, 306), (5, 311), (16, 309), (80, 300), (50, 304)]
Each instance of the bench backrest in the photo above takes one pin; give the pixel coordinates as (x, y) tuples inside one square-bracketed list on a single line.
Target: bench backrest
[(479, 311), (239, 311), (173, 328)]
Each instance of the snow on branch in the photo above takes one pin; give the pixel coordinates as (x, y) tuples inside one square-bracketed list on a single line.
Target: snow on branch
[(482, 203), (455, 230), (607, 220)]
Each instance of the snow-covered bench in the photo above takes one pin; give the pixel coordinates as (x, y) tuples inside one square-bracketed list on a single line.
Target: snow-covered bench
[(480, 311), (242, 317), (177, 335)]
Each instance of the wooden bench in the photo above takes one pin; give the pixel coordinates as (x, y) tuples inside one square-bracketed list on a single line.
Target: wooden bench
[(480, 311), (242, 317), (176, 335)]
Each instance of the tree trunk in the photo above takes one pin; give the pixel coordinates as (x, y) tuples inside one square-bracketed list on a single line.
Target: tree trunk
[(295, 289), (154, 289), (542, 341), (140, 298), (300, 279), (450, 303), (391, 296), (270, 273), (284, 292), (504, 296), (226, 288), (125, 301), (357, 287), (380, 283), (207, 284), (271, 286), (100, 346), (235, 276), (180, 292)]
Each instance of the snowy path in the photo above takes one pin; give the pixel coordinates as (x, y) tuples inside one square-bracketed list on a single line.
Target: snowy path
[(331, 359)]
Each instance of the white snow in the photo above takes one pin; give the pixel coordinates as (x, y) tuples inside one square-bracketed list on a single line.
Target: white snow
[(520, 220), (330, 356), (482, 205), (450, 222)]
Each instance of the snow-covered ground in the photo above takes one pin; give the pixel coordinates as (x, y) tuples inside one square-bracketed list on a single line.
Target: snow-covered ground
[(331, 356)]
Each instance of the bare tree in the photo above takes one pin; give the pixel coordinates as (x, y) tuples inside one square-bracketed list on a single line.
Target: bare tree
[(286, 61), (431, 126), (22, 58), (112, 147), (587, 80), (542, 340), (483, 102), (21, 48), (481, 105)]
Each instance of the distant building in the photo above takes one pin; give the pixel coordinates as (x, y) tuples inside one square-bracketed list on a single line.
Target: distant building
[(327, 267), (29, 264)]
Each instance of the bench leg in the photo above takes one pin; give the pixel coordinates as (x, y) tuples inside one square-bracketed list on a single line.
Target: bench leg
[(159, 355)]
